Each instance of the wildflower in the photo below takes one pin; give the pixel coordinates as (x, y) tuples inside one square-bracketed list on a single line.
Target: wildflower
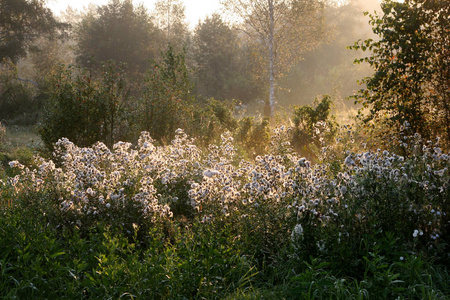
[(304, 163), (437, 150), (210, 173), (349, 161), (297, 233), (90, 192), (440, 172), (13, 164), (401, 258)]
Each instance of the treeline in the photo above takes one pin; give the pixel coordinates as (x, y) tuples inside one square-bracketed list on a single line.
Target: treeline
[(224, 61), (117, 69)]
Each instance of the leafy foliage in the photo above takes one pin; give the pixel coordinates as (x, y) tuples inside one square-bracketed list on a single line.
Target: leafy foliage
[(411, 61), (254, 136), (21, 23), (173, 221), (19, 103), (120, 32), (313, 126), (86, 109), (220, 62), (280, 32), (170, 17), (167, 99), (105, 224)]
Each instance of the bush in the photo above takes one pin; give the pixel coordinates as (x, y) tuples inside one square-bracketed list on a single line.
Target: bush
[(254, 137), (313, 127), (19, 103), (85, 109), (166, 103)]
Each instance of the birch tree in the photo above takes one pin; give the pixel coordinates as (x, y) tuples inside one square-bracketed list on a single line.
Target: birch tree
[(170, 18), (283, 29)]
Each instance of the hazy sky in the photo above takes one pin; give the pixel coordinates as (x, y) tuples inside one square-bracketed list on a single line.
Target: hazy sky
[(195, 9)]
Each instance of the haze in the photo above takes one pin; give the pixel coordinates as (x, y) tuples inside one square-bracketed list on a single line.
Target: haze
[(195, 9)]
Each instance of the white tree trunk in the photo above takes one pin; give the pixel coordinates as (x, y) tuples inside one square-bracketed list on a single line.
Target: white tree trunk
[(272, 100)]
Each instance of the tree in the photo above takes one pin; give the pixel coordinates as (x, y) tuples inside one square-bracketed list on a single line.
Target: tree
[(218, 59), (170, 17), (21, 23), (411, 62), (329, 69), (285, 30), (120, 32), (166, 98)]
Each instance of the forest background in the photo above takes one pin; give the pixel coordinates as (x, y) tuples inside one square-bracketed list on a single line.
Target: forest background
[(221, 61)]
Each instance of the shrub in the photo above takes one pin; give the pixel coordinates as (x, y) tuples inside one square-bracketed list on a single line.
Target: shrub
[(166, 102), (313, 127), (253, 136), (19, 103), (85, 109)]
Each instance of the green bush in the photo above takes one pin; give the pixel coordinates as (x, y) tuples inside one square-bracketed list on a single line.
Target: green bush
[(313, 127), (166, 103), (19, 102), (253, 136), (86, 109)]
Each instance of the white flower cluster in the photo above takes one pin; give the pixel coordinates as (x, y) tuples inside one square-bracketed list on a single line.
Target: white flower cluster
[(97, 180)]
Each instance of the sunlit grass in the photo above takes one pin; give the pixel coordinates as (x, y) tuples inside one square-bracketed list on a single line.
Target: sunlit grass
[(20, 136)]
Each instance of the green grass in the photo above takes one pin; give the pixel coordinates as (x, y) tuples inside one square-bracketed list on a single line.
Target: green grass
[(19, 143), (20, 136)]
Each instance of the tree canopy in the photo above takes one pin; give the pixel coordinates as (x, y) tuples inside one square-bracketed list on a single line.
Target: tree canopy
[(21, 23), (220, 61), (119, 31), (411, 61), (170, 17)]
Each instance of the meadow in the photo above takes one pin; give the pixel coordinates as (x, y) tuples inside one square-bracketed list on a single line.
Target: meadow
[(153, 161), (180, 221)]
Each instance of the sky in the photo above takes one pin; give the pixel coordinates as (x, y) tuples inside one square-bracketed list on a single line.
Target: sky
[(195, 9)]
